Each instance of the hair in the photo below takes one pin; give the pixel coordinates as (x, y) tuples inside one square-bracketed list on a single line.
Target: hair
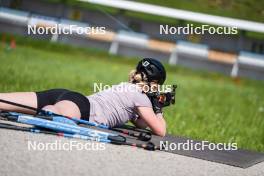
[(140, 79)]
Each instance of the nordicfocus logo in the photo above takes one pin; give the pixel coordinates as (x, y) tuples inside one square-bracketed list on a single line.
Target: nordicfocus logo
[(203, 29), (66, 145), (98, 87), (64, 29), (201, 145)]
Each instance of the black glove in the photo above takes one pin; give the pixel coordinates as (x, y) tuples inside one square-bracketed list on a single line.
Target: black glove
[(168, 99), (156, 105)]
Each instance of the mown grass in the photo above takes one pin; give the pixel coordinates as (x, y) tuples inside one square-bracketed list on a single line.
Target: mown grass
[(241, 9), (209, 106)]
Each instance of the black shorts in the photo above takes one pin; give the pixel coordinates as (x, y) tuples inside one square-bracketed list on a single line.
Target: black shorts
[(52, 96)]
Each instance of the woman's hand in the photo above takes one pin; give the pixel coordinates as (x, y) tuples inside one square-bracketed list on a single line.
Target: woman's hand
[(156, 122), (140, 123)]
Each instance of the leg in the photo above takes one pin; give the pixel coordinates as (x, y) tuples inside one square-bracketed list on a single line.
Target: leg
[(52, 108), (33, 99), (68, 108), (25, 98), (65, 108), (59, 101), (73, 104)]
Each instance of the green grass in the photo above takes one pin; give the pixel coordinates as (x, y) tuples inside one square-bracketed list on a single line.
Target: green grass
[(209, 106), (241, 9)]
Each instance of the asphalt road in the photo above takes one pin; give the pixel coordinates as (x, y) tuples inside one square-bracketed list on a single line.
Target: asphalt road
[(17, 159)]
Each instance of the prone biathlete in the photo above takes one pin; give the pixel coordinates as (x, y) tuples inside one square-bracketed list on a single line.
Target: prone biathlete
[(113, 107)]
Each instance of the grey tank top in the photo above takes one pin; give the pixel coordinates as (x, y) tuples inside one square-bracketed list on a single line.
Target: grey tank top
[(116, 106)]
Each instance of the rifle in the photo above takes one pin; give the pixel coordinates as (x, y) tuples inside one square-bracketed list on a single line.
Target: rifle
[(163, 98)]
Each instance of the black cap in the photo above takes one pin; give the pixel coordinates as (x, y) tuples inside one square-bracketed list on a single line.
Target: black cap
[(153, 69)]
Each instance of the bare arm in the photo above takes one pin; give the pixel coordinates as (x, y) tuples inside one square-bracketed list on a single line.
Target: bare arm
[(148, 118)]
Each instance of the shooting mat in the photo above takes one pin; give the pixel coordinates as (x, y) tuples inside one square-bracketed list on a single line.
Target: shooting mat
[(238, 158)]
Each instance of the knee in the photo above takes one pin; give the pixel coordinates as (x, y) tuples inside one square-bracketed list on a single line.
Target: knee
[(52, 108)]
